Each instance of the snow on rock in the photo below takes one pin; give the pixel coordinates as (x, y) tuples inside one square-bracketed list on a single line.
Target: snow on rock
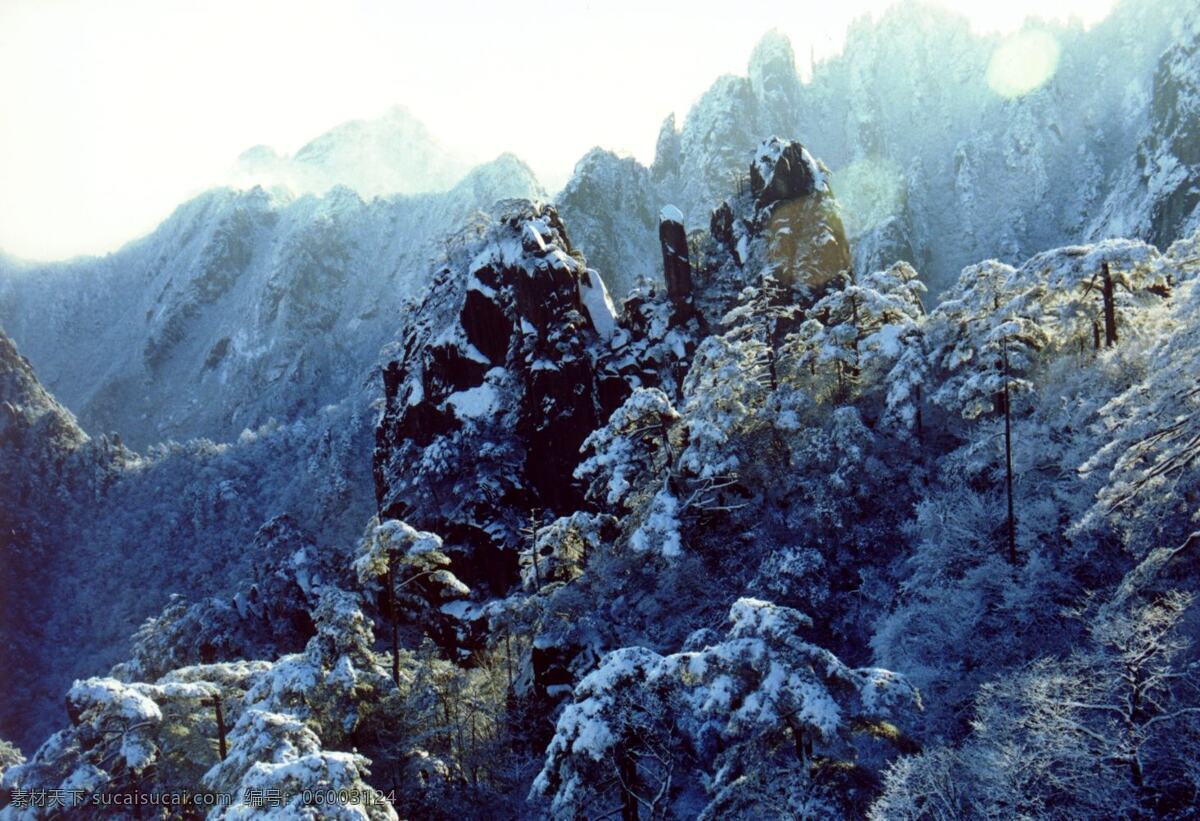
[(474, 403), (783, 170), (485, 445), (596, 301)]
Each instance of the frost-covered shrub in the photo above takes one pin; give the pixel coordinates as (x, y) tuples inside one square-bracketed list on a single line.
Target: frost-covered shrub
[(634, 445), (761, 702), (136, 737)]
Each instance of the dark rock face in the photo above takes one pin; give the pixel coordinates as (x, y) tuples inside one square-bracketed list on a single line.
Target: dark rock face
[(511, 359), (720, 226), (677, 269), (781, 171), (497, 385), (1176, 110)]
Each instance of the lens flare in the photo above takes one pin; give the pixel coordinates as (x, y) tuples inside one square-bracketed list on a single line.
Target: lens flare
[(1022, 63)]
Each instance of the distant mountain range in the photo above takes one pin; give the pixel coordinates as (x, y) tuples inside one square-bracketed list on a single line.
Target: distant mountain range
[(391, 154), (242, 306), (930, 164)]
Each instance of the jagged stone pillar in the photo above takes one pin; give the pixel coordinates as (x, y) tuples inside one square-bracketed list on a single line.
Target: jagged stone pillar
[(677, 269)]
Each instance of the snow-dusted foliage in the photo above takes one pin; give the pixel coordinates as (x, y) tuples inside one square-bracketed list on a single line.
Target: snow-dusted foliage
[(300, 700), (862, 328), (635, 441), (1152, 449), (1109, 730), (641, 726), (133, 737), (793, 538), (230, 729)]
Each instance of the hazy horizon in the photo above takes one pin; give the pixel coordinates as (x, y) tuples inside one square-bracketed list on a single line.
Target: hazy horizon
[(115, 115)]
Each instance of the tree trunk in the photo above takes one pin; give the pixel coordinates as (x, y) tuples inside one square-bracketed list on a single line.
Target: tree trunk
[(627, 776), (508, 657), (222, 747), (1110, 310), (393, 619), (857, 336), (920, 418), (772, 330), (1008, 471)]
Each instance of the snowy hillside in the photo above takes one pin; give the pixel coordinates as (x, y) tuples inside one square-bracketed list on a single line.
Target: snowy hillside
[(243, 306), (86, 513)]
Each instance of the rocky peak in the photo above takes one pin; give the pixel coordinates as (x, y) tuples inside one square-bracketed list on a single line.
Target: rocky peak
[(783, 170), (677, 269), (774, 80), (788, 222), (496, 384), (667, 151), (511, 359), (609, 200), (390, 154), (26, 409)]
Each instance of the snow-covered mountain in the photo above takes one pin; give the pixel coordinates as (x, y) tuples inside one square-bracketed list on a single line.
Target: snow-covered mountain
[(787, 535), (243, 306), (783, 553), (930, 163), (391, 154)]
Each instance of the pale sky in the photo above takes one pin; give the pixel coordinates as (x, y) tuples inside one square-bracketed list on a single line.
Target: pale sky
[(112, 113)]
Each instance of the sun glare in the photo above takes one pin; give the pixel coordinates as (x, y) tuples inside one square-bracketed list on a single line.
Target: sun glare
[(1022, 63)]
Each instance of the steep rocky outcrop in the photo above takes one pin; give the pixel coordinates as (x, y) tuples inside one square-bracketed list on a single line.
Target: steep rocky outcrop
[(785, 223), (782, 171), (611, 201), (35, 429), (1158, 195), (806, 243), (667, 151), (775, 83), (514, 356), (497, 383), (677, 268)]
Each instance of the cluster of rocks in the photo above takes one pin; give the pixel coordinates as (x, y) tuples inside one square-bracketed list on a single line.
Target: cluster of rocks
[(517, 353)]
